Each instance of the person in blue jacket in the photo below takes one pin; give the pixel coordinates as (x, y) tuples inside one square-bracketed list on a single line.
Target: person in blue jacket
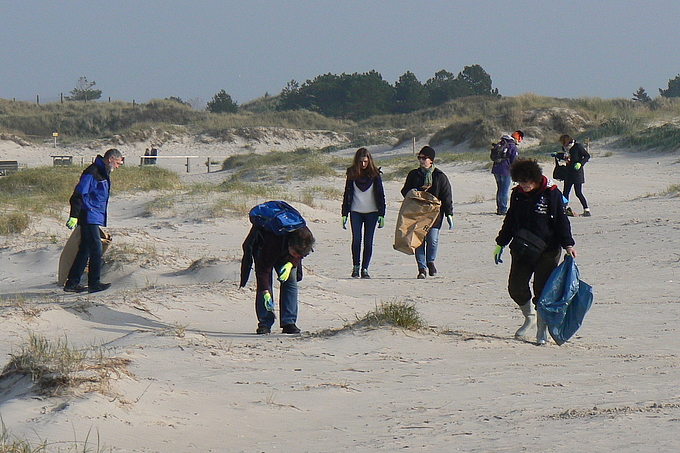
[(501, 171), (536, 206), (89, 206), (364, 202)]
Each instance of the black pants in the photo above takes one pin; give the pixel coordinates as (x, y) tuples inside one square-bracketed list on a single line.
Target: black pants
[(578, 189), (90, 249), (521, 272)]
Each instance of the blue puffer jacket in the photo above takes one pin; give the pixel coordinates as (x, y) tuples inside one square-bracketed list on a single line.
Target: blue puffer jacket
[(90, 199)]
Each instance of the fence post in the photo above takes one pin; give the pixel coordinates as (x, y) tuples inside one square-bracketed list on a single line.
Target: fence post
[(188, 168), (37, 99)]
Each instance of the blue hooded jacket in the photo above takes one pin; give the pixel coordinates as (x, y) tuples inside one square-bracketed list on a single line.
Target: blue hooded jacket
[(90, 199)]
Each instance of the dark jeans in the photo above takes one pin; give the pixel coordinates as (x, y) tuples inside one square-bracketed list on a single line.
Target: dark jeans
[(288, 303), (367, 221), (521, 272), (578, 189), (503, 183), (90, 249)]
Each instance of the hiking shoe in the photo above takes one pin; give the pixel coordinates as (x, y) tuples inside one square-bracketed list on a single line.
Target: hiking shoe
[(290, 328), (432, 269), (570, 213), (74, 288), (355, 272), (364, 273), (263, 330), (422, 273), (586, 213), (99, 287)]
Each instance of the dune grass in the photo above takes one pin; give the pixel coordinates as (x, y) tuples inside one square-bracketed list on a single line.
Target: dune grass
[(55, 367), (394, 313)]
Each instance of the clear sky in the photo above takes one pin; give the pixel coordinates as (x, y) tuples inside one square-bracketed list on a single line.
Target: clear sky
[(146, 49)]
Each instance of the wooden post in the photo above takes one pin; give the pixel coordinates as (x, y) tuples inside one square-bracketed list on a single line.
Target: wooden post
[(188, 167), (207, 164), (37, 99), (61, 96), (414, 146)]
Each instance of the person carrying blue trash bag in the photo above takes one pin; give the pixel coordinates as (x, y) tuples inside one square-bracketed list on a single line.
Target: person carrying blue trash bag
[(565, 300), (537, 227)]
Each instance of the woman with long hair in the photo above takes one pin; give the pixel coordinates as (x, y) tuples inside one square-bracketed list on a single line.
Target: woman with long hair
[(364, 203)]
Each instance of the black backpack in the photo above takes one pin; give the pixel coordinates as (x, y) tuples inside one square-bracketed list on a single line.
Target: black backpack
[(499, 151)]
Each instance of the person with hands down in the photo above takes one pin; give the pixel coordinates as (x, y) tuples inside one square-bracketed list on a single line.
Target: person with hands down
[(364, 202), (89, 206), (282, 254), (430, 179), (537, 227)]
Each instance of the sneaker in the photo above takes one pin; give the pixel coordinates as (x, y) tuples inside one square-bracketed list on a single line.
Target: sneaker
[(586, 213), (74, 288), (432, 269), (364, 273), (355, 272), (290, 328), (99, 287), (422, 273), (263, 330), (570, 213)]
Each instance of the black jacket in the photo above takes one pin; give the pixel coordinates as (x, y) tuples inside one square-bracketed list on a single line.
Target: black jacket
[(576, 154), (441, 188), (378, 193), (540, 211)]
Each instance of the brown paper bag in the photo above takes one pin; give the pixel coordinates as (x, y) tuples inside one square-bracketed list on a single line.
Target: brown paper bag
[(417, 214), (68, 255)]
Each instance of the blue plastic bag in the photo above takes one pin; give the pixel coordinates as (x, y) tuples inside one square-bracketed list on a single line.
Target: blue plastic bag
[(565, 300)]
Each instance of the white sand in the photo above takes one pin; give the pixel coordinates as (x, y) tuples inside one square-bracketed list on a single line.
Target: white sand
[(464, 384)]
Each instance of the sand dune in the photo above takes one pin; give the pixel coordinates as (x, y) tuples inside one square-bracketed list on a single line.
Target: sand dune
[(203, 381)]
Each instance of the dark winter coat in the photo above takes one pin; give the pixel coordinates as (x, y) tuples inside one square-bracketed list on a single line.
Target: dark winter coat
[(576, 154), (503, 168), (441, 188), (378, 193), (540, 211), (269, 251), (90, 199)]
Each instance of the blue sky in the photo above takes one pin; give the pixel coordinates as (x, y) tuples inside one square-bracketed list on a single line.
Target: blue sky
[(192, 49)]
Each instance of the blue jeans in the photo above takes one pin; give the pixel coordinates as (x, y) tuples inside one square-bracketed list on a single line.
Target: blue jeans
[(288, 303), (503, 183), (427, 252), (90, 248), (367, 221)]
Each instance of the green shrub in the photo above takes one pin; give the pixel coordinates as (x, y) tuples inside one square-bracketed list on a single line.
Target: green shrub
[(398, 314), (13, 223)]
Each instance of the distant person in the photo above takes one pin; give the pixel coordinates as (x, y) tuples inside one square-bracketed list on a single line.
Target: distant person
[(89, 206), (153, 153), (501, 169), (432, 180), (538, 226), (569, 165), (282, 254), (364, 202)]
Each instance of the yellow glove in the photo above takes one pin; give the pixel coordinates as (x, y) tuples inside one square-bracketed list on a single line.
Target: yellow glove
[(577, 166), (268, 302), (344, 222), (381, 221), (72, 222), (284, 272), (497, 252)]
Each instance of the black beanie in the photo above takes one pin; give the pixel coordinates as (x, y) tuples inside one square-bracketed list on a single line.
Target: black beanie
[(427, 151)]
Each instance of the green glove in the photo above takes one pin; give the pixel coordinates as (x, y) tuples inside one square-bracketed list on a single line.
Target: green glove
[(381, 221), (497, 252), (344, 222), (577, 166), (268, 302), (449, 218), (284, 272), (72, 222)]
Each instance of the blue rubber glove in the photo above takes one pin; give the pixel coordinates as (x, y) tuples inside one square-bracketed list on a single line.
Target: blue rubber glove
[(72, 222), (381, 221), (284, 272), (577, 166), (268, 302), (344, 222), (497, 252), (553, 154), (449, 218)]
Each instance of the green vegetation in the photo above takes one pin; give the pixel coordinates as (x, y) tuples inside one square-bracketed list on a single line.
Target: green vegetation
[(395, 313)]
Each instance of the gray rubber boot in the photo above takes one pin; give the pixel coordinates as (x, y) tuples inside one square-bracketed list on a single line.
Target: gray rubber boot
[(542, 331), (529, 313)]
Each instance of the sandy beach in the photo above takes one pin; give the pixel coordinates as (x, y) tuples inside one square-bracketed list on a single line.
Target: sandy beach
[(200, 380)]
